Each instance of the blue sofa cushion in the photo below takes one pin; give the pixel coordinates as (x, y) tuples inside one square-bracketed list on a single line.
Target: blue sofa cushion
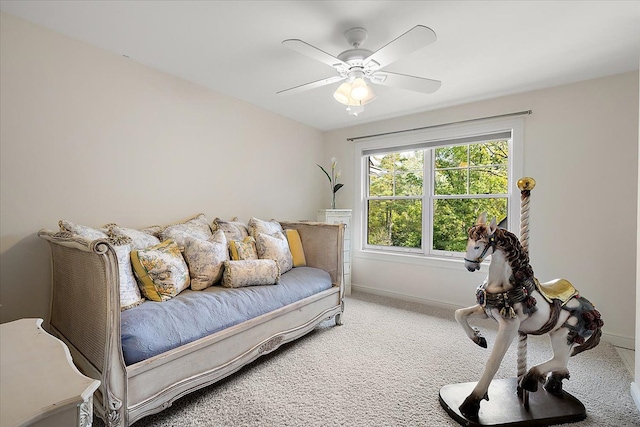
[(155, 327)]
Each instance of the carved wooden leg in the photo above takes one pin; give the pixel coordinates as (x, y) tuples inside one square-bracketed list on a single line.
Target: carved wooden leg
[(339, 315), (115, 411), (86, 412)]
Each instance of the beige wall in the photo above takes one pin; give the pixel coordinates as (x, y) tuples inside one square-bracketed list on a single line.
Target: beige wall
[(581, 146), (93, 137)]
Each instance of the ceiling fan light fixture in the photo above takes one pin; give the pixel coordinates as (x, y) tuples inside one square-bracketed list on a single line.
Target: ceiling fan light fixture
[(359, 89), (343, 93)]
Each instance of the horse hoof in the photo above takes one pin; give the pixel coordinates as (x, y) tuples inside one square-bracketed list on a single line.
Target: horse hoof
[(554, 383), (482, 342), (470, 408), (529, 383), (553, 387)]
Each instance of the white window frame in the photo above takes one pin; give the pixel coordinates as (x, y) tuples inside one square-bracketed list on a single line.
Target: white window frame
[(431, 138)]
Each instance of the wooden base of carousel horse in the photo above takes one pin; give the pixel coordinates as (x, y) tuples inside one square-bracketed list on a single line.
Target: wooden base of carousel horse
[(506, 409)]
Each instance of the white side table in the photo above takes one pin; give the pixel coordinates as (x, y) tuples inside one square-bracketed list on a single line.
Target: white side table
[(39, 384), (337, 216)]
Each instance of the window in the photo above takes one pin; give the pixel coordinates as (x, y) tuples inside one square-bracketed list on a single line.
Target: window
[(422, 196)]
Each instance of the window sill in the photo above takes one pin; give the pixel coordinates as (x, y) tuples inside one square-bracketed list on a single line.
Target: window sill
[(448, 263)]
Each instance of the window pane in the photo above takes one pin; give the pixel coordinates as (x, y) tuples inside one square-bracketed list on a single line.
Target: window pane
[(490, 153), (488, 180), (380, 184), (409, 184), (452, 218), (452, 156), (450, 181), (395, 223), (396, 174)]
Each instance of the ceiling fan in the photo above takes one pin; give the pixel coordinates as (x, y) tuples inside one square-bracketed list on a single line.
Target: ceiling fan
[(356, 65)]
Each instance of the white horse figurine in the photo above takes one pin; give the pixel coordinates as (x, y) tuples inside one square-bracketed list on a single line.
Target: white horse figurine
[(513, 297)]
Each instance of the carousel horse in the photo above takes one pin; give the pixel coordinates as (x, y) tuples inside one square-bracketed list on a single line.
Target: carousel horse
[(513, 297)]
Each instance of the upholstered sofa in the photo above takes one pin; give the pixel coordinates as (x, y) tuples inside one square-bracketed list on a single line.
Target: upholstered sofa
[(150, 353)]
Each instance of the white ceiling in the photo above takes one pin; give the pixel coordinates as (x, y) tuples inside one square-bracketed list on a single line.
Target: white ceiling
[(484, 48)]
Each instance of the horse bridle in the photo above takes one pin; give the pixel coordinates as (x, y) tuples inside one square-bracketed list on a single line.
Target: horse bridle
[(490, 244)]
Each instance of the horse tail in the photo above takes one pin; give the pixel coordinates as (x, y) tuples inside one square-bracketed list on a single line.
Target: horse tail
[(588, 328), (593, 341)]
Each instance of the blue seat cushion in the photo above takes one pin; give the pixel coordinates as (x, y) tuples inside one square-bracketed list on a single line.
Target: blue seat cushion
[(155, 327)]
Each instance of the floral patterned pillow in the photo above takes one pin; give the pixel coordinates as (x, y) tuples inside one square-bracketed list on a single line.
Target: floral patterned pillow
[(243, 249), (161, 270), (205, 259), (250, 272), (154, 230), (197, 227), (257, 226), (82, 230), (138, 239), (276, 248), (129, 292), (234, 229)]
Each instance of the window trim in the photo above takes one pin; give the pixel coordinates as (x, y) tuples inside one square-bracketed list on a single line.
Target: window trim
[(462, 133)]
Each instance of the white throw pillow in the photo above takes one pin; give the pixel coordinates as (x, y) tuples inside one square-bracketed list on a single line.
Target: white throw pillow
[(275, 247), (250, 272), (257, 226), (205, 259), (196, 227)]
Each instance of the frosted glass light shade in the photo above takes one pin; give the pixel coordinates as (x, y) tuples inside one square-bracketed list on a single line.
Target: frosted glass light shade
[(342, 94), (359, 89)]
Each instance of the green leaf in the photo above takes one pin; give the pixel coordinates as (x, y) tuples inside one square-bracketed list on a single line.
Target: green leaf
[(325, 172), (337, 187)]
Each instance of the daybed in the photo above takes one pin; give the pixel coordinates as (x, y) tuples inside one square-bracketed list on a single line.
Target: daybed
[(86, 314)]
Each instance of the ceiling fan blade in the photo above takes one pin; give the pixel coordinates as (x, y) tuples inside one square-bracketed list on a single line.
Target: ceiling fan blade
[(414, 39), (315, 53), (414, 83), (312, 85)]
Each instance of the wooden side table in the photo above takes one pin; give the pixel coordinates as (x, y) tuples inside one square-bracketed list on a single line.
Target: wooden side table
[(39, 384)]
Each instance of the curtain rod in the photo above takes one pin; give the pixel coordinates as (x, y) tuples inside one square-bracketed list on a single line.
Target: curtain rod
[(519, 113)]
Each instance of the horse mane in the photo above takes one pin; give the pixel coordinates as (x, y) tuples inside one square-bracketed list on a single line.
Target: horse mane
[(517, 257)]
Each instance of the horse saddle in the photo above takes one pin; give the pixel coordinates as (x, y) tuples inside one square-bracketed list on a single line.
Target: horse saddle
[(559, 289)]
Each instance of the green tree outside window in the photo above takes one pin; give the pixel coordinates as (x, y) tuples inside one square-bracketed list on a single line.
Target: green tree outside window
[(463, 181)]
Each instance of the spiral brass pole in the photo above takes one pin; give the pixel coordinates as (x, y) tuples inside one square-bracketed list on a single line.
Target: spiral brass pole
[(525, 185)]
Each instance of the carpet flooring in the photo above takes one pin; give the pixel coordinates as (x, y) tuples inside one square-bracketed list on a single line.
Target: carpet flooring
[(385, 367)]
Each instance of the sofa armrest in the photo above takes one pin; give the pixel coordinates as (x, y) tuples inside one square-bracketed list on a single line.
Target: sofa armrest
[(85, 307), (323, 246)]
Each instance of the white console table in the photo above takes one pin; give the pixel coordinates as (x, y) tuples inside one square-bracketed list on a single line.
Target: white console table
[(39, 384), (337, 216)]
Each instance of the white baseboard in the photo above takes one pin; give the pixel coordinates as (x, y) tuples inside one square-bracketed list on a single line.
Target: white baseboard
[(635, 393), (619, 341), (615, 340), (403, 297)]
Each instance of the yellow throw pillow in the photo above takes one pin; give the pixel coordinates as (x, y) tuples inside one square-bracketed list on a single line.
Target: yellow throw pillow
[(161, 270), (243, 249), (295, 245)]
